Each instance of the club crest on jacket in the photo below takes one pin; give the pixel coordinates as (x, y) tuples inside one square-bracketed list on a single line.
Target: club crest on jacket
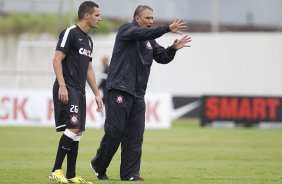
[(119, 99)]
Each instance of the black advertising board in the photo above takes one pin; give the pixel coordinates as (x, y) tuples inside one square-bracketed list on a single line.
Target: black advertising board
[(241, 110), (188, 105)]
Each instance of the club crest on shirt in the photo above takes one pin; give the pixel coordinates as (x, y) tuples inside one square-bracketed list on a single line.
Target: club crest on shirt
[(119, 99), (148, 45)]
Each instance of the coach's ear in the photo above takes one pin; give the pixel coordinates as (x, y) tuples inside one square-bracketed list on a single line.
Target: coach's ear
[(137, 19)]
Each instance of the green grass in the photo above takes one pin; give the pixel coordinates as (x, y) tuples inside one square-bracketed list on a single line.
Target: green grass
[(184, 154)]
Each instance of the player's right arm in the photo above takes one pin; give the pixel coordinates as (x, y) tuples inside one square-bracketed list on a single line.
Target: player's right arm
[(57, 65)]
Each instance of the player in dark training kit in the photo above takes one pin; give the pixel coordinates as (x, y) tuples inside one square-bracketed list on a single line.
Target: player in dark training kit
[(134, 50), (73, 67)]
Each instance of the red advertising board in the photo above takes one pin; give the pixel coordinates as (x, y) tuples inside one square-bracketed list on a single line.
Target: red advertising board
[(241, 110)]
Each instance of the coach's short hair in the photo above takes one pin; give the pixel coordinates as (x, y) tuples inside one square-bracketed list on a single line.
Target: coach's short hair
[(140, 8), (86, 7)]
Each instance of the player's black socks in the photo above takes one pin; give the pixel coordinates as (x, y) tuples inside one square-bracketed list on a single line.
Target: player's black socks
[(72, 157), (63, 148)]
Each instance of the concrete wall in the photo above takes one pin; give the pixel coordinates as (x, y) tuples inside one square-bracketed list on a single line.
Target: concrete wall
[(217, 63), (241, 63)]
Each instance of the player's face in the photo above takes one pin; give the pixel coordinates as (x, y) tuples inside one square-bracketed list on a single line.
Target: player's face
[(145, 19), (94, 18)]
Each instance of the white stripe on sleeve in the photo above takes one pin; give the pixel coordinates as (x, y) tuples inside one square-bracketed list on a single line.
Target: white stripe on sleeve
[(66, 35)]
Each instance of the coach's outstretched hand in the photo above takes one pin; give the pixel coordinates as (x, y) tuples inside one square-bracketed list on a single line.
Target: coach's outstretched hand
[(183, 42), (177, 25)]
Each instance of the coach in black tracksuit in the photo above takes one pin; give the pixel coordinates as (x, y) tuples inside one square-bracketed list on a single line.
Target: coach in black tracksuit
[(133, 54)]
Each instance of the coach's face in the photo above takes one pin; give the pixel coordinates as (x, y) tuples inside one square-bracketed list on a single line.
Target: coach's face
[(145, 19), (94, 18)]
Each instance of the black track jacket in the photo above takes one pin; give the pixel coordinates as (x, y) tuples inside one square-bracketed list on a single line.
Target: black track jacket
[(134, 50)]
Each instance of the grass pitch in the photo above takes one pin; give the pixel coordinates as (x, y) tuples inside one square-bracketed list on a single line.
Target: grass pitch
[(184, 154)]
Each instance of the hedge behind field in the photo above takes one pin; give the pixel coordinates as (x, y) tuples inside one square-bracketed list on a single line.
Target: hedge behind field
[(49, 23)]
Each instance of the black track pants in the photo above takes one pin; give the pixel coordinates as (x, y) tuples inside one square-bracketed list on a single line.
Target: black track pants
[(125, 123)]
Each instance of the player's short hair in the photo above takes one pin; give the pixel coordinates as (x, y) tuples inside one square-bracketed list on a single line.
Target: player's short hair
[(140, 8), (86, 7)]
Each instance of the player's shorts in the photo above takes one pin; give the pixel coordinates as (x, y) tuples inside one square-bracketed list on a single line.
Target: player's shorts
[(71, 115)]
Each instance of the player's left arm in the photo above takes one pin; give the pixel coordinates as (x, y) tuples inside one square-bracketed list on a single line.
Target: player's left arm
[(91, 80)]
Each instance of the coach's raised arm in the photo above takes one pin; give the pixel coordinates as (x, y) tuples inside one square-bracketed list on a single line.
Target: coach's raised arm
[(176, 27)]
